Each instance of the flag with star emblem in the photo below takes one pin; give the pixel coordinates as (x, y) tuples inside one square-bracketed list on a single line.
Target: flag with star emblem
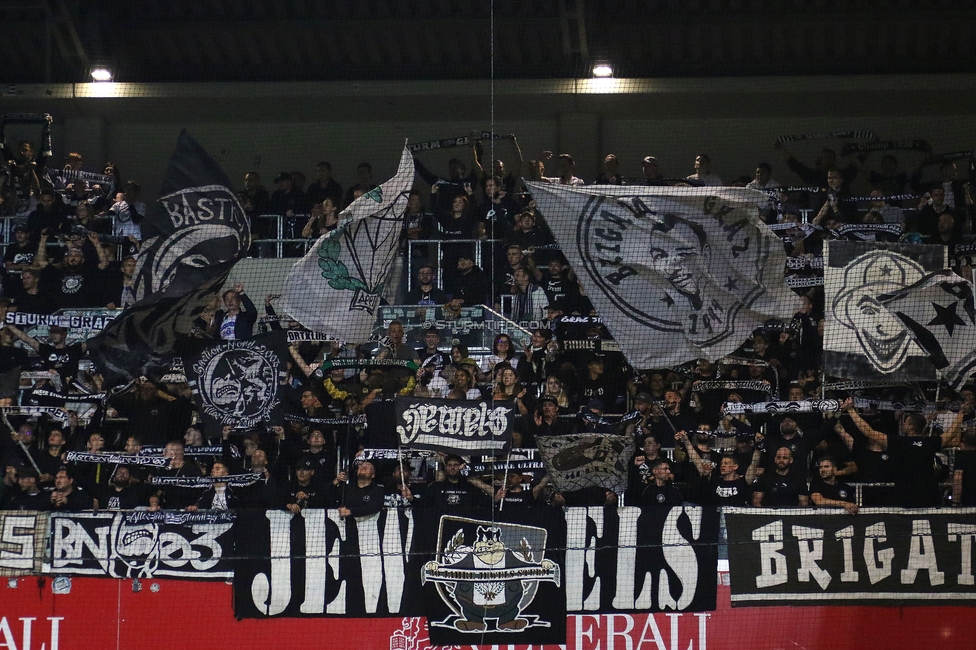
[(863, 337), (940, 316), (676, 273)]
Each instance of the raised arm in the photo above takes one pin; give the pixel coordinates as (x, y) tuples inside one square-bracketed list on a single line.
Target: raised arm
[(952, 434), (26, 338), (862, 426)]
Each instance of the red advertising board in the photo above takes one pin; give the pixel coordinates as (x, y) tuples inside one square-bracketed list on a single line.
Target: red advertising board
[(104, 613)]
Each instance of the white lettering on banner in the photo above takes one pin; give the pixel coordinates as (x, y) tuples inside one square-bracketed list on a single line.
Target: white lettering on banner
[(315, 561), (581, 557), (68, 549), (453, 421), (681, 558), (9, 641), (877, 534), (922, 555), (18, 542), (627, 561), (184, 213), (846, 535), (272, 595), (629, 632), (811, 551), (966, 535), (338, 604), (771, 558)]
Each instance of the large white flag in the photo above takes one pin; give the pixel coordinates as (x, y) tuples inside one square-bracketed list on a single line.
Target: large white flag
[(676, 273), (336, 287)]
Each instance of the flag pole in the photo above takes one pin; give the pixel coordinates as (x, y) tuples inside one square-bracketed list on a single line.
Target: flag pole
[(508, 464)]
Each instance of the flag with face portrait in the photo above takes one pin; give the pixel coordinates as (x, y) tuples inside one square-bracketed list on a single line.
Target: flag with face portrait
[(939, 314), (676, 273), (336, 288), (864, 339)]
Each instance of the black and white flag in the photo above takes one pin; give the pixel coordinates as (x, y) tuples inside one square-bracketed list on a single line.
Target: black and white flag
[(455, 427), (584, 460), (677, 273), (939, 314), (862, 338), (194, 234), (239, 382)]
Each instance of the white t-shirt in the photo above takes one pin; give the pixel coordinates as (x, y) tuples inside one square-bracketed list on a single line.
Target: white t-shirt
[(227, 328)]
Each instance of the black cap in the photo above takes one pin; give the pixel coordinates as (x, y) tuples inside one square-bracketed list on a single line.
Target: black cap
[(20, 227), (595, 404), (283, 176), (549, 398), (644, 397), (305, 463)]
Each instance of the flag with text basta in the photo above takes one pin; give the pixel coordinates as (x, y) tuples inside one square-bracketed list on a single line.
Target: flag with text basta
[(939, 314), (192, 236), (336, 288)]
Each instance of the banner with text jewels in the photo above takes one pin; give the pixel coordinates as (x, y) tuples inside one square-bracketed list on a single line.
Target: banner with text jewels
[(879, 556), (478, 576)]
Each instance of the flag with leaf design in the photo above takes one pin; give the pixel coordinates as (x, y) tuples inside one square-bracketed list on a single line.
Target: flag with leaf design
[(336, 288)]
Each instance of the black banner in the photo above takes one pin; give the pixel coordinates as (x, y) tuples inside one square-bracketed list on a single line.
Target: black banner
[(143, 544), (239, 382), (455, 427), (193, 235), (808, 557), (610, 560)]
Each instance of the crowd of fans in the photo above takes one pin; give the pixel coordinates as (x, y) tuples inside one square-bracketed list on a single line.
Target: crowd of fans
[(76, 245)]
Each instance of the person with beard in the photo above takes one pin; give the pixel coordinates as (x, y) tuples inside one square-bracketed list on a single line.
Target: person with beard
[(512, 494), (785, 486), (559, 281), (826, 490), (396, 489), (660, 492), (364, 497), (799, 442), (424, 291), (123, 492), (73, 285), (454, 490), (668, 418), (66, 497)]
